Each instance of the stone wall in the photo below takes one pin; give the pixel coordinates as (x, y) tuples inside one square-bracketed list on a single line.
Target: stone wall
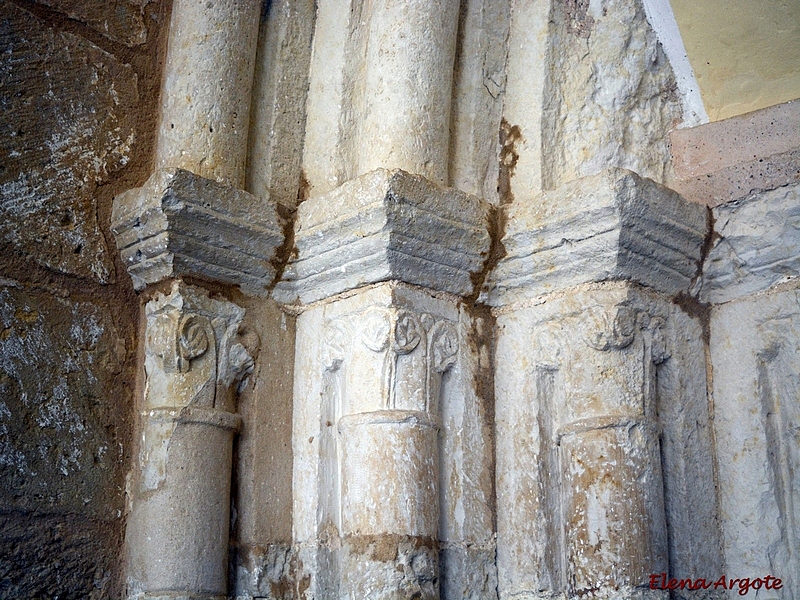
[(79, 84)]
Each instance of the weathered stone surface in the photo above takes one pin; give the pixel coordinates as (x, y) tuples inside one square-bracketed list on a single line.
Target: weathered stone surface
[(119, 20), (528, 47), (280, 88), (179, 223), (379, 90), (262, 523), (406, 90), (69, 110), (580, 505), (610, 96), (205, 94), (738, 157), (479, 83), (615, 225), (59, 443), (58, 556), (756, 245), (386, 225), (755, 356), (264, 573), (375, 483), (194, 362)]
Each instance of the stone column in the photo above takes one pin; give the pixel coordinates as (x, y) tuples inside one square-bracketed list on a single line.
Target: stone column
[(205, 95), (191, 219), (407, 88), (178, 529), (379, 339), (583, 298), (392, 360), (177, 225)]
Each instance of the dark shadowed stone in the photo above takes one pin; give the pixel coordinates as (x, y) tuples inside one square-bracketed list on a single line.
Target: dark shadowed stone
[(118, 20), (61, 413), (68, 125)]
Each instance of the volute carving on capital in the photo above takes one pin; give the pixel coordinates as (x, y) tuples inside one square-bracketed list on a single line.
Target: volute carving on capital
[(194, 352), (610, 330), (616, 329), (396, 357)]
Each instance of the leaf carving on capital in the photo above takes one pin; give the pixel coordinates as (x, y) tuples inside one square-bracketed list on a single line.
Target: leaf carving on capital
[(407, 333), (375, 329), (398, 354), (610, 330), (444, 346), (199, 338)]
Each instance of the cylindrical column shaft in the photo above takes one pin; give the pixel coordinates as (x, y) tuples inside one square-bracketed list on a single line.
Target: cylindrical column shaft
[(205, 95), (389, 505), (613, 507), (409, 76), (177, 534), (183, 525)]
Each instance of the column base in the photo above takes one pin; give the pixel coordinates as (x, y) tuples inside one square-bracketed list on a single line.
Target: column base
[(390, 567)]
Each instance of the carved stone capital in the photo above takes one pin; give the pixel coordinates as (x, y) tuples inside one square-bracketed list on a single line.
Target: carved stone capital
[(387, 225), (179, 223), (194, 355), (393, 357), (615, 226)]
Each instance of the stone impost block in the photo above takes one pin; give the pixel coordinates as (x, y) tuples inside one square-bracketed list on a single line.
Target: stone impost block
[(611, 226), (756, 245), (387, 225), (179, 223)]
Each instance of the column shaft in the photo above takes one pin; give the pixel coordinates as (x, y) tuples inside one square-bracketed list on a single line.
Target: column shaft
[(407, 90), (177, 535), (205, 95)]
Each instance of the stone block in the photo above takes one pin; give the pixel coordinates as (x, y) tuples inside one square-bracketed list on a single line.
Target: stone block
[(612, 226), (732, 159), (387, 225), (69, 116), (119, 20), (179, 223), (58, 556), (756, 245), (60, 444), (610, 93), (754, 353)]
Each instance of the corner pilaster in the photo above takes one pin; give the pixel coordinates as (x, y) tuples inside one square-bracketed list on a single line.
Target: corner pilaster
[(584, 300), (383, 363)]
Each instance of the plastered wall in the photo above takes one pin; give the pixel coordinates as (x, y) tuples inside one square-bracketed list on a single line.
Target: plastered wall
[(745, 54)]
